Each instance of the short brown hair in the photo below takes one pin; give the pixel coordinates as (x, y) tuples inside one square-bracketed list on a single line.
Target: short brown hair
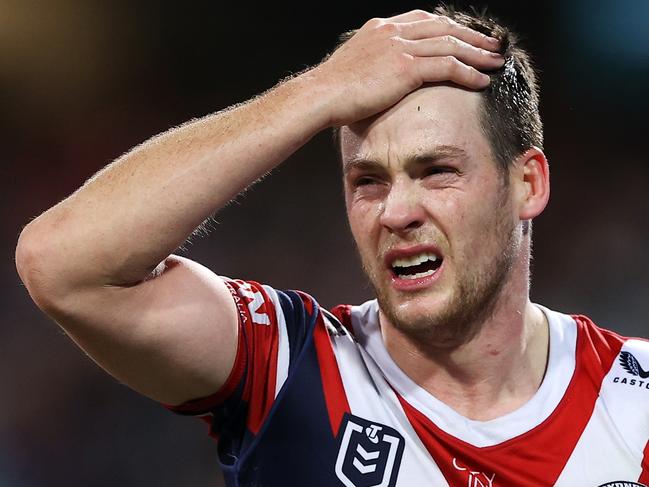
[(509, 116)]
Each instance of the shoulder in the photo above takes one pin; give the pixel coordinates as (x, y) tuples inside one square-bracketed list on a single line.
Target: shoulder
[(258, 303), (361, 320), (623, 360), (600, 356), (608, 343)]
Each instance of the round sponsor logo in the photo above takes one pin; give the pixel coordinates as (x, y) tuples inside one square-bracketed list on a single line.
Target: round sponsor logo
[(622, 483)]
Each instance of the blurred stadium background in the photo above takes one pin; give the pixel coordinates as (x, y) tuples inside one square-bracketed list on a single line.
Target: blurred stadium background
[(83, 81)]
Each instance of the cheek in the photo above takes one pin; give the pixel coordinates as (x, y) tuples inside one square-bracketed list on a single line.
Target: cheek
[(451, 213), (363, 223), (472, 225), (359, 223), (487, 226), (360, 211)]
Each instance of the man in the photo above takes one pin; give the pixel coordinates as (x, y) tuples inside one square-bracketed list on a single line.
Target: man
[(452, 377)]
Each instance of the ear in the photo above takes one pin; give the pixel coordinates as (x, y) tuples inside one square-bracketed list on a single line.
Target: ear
[(531, 176)]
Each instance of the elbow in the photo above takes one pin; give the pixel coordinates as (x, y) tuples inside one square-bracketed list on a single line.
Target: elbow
[(32, 262), (27, 256)]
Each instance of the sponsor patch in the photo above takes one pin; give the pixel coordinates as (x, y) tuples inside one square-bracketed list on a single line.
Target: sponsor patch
[(640, 376), (622, 483)]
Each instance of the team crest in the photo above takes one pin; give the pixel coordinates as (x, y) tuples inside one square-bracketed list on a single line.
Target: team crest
[(369, 453)]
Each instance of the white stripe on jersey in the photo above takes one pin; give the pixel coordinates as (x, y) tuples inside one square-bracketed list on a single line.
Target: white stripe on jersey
[(380, 404), (283, 351), (617, 418), (560, 369)]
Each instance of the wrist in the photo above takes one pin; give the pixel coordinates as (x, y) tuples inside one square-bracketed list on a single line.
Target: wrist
[(315, 95)]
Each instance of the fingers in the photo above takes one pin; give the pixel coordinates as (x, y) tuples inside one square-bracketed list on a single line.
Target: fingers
[(442, 26), (452, 46), (411, 16), (449, 68), (444, 50)]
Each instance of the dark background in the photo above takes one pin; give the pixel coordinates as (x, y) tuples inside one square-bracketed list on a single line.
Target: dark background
[(83, 81)]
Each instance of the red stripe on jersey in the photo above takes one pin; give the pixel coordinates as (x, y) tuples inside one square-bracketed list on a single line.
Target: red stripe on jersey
[(644, 476), (261, 344), (344, 313), (332, 383), (308, 302), (538, 456)]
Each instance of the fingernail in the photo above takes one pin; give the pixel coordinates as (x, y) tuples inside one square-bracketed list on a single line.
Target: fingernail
[(486, 79), (496, 55), (493, 40)]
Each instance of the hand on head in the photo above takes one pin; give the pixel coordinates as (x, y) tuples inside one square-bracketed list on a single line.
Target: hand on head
[(388, 58)]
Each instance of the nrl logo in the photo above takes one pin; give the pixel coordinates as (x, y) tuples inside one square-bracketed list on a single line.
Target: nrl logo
[(369, 453)]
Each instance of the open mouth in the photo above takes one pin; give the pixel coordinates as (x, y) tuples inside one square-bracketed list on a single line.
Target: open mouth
[(416, 266)]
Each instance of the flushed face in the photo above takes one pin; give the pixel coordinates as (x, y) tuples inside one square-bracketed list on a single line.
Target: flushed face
[(432, 216)]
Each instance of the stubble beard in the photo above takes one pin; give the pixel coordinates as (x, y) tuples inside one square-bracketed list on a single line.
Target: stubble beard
[(472, 302)]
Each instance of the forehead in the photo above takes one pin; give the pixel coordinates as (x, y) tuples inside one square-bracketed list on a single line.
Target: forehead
[(429, 117)]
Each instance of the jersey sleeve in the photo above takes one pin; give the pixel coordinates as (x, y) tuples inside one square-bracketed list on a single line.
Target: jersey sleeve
[(273, 328)]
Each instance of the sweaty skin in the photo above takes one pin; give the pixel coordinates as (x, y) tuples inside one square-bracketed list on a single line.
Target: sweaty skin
[(101, 262), (420, 177)]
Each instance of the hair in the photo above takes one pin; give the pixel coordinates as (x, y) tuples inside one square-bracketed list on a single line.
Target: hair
[(509, 114)]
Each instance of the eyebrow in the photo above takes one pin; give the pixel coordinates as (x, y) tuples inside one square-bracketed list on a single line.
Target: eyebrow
[(435, 154)]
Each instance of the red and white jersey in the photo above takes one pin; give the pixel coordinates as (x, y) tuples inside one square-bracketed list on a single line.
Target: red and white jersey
[(316, 399), (587, 425)]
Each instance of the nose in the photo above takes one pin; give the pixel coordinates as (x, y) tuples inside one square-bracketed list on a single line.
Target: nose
[(402, 209)]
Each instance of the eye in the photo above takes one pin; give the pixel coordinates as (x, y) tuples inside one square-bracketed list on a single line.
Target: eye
[(435, 170), (365, 181), (368, 186)]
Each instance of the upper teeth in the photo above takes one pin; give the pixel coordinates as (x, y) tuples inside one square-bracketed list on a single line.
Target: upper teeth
[(414, 260)]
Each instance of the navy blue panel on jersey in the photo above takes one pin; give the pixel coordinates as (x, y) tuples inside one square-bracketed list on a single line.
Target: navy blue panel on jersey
[(296, 439), (298, 323)]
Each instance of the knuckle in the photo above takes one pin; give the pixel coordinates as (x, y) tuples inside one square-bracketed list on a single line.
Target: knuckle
[(373, 23), (394, 59), (422, 14), (404, 62), (451, 64), (397, 44), (460, 30), (450, 40), (467, 32), (403, 67), (388, 29)]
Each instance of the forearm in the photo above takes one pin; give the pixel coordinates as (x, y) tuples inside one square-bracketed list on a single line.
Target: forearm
[(136, 211), (174, 337)]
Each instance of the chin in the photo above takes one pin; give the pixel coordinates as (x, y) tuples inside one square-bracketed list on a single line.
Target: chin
[(442, 321), (417, 311)]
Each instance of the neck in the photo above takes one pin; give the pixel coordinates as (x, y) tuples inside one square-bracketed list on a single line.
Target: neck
[(495, 372)]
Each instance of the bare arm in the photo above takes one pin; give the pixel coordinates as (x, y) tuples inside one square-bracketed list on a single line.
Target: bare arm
[(100, 261)]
